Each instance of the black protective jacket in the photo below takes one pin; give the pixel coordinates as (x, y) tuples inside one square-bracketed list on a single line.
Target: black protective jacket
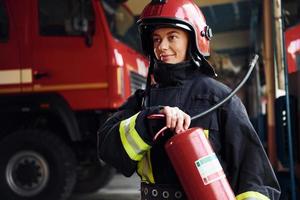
[(230, 132)]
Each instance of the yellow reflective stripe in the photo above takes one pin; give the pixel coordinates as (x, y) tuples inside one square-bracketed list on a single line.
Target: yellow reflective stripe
[(144, 169), (206, 132), (133, 144), (140, 142), (251, 194), (128, 148), (150, 172)]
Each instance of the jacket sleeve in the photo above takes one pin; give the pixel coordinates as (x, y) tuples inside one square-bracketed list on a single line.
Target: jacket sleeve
[(123, 139), (248, 168)]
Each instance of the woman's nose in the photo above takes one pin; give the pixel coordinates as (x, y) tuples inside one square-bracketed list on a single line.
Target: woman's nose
[(164, 44)]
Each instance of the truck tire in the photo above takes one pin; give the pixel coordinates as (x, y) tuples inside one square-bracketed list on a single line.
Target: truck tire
[(92, 178), (36, 165)]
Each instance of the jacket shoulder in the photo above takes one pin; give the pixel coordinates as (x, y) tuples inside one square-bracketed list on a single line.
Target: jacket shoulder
[(210, 86)]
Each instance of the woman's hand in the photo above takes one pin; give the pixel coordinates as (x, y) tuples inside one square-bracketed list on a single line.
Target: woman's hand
[(176, 119)]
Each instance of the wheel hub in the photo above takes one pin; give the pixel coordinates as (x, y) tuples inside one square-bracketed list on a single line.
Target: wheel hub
[(27, 173)]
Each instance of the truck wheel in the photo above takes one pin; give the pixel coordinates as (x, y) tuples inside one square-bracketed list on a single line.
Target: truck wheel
[(36, 165), (92, 178)]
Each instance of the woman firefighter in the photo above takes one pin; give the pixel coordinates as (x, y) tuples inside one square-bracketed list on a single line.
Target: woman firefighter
[(181, 84)]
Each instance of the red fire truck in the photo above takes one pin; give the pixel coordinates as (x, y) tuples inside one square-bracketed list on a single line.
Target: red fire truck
[(292, 37), (293, 49), (290, 181), (65, 65)]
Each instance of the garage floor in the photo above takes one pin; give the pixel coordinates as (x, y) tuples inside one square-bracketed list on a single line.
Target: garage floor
[(119, 187)]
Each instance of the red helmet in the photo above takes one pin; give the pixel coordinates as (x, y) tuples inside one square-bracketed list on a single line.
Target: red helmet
[(183, 14)]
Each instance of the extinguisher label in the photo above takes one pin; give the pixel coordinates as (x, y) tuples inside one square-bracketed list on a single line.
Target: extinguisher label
[(209, 168)]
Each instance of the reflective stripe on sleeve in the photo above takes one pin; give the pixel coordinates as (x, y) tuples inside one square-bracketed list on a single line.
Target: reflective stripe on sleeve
[(133, 144), (251, 195), (144, 169)]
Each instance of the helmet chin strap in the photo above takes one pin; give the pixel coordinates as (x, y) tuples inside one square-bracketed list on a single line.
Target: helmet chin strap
[(193, 55), (197, 60), (200, 61)]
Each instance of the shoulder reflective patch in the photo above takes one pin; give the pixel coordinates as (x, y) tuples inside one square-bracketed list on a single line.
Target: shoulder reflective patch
[(133, 144), (251, 195)]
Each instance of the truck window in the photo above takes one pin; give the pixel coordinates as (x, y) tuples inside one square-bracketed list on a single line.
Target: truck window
[(3, 22), (122, 23), (60, 17)]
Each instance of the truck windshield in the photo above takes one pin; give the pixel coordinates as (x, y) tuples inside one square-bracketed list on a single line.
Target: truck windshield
[(122, 23)]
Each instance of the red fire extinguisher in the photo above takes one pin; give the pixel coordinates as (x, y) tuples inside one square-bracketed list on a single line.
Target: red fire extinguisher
[(197, 166)]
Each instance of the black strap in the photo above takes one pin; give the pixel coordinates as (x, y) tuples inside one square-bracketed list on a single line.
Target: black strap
[(161, 192)]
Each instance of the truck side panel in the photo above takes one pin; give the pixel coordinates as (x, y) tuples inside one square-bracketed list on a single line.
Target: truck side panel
[(10, 68), (70, 67)]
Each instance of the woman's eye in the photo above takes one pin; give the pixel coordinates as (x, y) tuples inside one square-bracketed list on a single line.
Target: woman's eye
[(156, 40), (172, 37)]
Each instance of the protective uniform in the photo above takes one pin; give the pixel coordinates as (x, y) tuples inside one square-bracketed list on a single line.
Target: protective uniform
[(126, 139)]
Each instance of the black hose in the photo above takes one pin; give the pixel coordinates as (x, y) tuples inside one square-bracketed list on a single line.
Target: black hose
[(233, 92)]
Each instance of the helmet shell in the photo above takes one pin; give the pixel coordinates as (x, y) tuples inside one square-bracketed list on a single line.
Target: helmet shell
[(183, 14)]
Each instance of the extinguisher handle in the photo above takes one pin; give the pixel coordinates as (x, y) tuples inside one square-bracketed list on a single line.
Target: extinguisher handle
[(156, 116), (159, 133), (162, 130)]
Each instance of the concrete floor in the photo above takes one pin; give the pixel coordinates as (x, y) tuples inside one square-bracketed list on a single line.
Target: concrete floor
[(119, 187)]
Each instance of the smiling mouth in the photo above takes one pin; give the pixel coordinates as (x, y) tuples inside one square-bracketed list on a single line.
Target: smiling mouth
[(165, 57)]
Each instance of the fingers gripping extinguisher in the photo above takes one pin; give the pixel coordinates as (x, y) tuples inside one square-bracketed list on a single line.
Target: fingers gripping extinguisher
[(197, 166)]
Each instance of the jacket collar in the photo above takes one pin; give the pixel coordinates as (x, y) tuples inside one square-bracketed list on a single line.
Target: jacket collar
[(166, 74)]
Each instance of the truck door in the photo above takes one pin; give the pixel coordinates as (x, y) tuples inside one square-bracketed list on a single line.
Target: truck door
[(10, 70), (64, 59)]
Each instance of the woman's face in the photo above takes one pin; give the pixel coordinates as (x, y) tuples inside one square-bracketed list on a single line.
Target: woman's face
[(170, 45)]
